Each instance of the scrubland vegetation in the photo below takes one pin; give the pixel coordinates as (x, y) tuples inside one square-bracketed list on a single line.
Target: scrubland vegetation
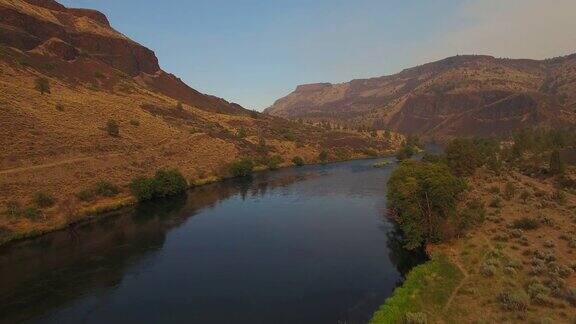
[(502, 215)]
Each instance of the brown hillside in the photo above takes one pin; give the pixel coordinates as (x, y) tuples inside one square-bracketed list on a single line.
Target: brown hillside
[(462, 95), (59, 143)]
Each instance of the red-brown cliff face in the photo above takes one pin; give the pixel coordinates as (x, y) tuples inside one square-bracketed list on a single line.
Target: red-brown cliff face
[(85, 39), (463, 95)]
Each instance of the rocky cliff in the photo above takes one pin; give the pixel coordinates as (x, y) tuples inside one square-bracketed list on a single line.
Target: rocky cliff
[(462, 95)]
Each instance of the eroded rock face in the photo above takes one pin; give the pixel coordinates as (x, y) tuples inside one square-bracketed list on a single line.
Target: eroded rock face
[(85, 39), (462, 95)]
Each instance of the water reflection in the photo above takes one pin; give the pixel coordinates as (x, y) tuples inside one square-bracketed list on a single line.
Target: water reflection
[(300, 245)]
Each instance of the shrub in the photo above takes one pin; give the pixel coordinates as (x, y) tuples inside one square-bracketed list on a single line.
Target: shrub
[(42, 85), (134, 122), (106, 189), (241, 133), (32, 213), (423, 198), (113, 128), (559, 196), (556, 164), (415, 318), (509, 190), (60, 107), (496, 202), (571, 296), (535, 288), (488, 270), (179, 106), (13, 209), (462, 157), (273, 162), (406, 152), (432, 158), (516, 300), (169, 183), (298, 161), (474, 213), (242, 168), (44, 200), (323, 156), (143, 188), (525, 195), (86, 195), (526, 223), (495, 190)]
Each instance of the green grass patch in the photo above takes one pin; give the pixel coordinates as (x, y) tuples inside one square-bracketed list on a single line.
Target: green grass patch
[(426, 290)]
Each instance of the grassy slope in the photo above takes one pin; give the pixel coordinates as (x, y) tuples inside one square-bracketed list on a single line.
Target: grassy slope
[(427, 289), (57, 143), (474, 296)]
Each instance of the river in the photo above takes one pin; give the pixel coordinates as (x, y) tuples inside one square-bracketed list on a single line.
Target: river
[(300, 245)]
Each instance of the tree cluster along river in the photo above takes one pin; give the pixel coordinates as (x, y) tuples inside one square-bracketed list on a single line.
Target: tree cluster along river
[(302, 245)]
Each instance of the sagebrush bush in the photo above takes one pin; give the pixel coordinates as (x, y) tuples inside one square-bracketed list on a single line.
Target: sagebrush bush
[(86, 195), (526, 223), (13, 209), (106, 189), (496, 202), (113, 128), (273, 162), (42, 85), (44, 199), (509, 190), (32, 213), (415, 318), (488, 270), (535, 288), (516, 300), (473, 214)]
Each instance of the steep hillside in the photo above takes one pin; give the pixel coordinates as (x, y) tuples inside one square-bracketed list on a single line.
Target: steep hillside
[(462, 95), (80, 103)]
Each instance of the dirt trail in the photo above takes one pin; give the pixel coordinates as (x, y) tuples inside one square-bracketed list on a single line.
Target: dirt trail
[(457, 262), (46, 165)]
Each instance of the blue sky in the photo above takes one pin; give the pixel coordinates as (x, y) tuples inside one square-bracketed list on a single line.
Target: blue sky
[(255, 51)]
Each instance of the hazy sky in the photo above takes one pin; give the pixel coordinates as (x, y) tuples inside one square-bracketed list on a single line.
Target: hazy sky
[(255, 51)]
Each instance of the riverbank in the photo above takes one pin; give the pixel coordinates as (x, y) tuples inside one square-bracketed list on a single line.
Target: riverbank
[(516, 267), (105, 207)]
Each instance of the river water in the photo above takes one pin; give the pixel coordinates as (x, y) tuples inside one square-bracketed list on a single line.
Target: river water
[(301, 245)]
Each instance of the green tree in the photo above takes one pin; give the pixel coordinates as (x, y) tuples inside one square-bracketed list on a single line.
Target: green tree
[(42, 85), (423, 198), (242, 168), (169, 183), (142, 188), (462, 157), (405, 152)]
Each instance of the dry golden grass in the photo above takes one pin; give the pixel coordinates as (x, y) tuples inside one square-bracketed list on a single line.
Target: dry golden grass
[(58, 143), (512, 254)]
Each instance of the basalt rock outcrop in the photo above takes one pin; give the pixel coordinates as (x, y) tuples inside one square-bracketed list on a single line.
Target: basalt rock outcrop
[(85, 39), (462, 95)]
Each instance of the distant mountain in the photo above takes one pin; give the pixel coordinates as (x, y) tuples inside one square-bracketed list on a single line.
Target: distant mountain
[(461, 95)]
